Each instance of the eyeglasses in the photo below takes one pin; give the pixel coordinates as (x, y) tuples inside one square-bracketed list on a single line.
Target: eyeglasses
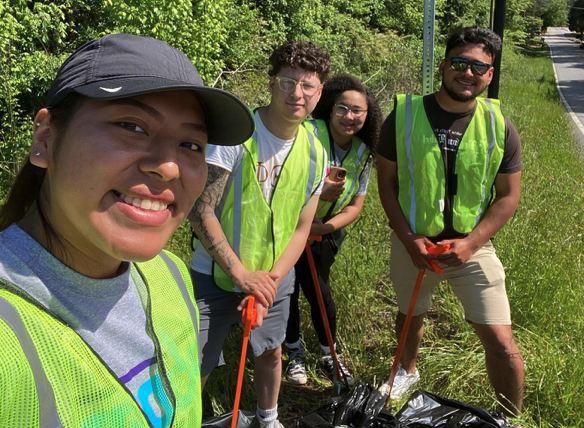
[(342, 110), (288, 85), (478, 68)]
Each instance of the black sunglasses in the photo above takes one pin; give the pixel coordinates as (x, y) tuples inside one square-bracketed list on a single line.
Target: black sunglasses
[(478, 68)]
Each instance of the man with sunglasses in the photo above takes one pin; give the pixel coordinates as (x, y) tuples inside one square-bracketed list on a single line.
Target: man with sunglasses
[(440, 157), (253, 218)]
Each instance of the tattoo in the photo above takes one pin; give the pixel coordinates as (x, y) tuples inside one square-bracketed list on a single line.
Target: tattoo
[(212, 193), (204, 208)]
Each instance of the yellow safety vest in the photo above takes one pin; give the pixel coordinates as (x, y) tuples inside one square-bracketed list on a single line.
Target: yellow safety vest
[(354, 162), (52, 378), (421, 173), (258, 231)]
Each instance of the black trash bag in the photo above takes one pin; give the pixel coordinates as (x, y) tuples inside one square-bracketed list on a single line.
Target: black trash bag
[(363, 407), (244, 420), (424, 409)]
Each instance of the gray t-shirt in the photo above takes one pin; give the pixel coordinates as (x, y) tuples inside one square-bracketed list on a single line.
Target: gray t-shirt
[(107, 313)]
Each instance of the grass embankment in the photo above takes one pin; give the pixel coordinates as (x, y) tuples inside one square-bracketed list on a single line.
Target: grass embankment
[(542, 249)]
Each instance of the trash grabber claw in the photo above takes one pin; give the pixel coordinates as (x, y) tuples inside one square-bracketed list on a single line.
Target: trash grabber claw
[(433, 250), (249, 318)]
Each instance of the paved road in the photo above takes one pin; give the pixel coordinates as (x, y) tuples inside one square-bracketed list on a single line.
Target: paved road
[(569, 65)]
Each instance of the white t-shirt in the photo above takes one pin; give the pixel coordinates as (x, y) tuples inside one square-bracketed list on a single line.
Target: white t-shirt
[(272, 152)]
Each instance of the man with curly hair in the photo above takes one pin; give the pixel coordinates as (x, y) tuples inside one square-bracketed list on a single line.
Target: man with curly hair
[(440, 158), (253, 219)]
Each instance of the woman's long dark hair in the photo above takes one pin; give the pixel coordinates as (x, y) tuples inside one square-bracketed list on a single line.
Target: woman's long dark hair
[(333, 89), (25, 191)]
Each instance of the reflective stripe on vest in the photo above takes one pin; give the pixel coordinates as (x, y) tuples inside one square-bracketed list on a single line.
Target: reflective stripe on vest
[(491, 147), (354, 162), (422, 185), (48, 415), (182, 287), (413, 205), (72, 363), (258, 231)]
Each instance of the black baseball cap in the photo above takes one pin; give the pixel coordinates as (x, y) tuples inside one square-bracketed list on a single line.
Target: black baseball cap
[(123, 65)]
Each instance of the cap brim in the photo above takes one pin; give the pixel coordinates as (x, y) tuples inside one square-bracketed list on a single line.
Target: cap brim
[(229, 121)]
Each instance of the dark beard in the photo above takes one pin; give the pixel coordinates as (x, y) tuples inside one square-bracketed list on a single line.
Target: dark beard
[(458, 97)]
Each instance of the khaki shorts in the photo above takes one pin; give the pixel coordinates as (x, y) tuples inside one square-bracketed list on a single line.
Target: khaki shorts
[(479, 284)]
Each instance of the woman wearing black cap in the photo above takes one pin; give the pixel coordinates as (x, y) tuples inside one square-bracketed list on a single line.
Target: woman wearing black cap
[(97, 325)]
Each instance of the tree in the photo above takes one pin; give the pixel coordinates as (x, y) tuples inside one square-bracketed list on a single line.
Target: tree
[(555, 14)]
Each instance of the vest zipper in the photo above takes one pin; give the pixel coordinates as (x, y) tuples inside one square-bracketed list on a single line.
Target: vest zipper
[(448, 188), (25, 296)]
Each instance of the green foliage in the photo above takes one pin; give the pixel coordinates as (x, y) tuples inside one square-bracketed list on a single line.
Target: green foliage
[(556, 14), (576, 17), (32, 36), (461, 13), (195, 28)]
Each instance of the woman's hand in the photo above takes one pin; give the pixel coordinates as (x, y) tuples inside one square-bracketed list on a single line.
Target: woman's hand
[(331, 190)]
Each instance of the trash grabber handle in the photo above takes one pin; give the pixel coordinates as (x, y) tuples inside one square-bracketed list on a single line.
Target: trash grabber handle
[(433, 250), (404, 332), (327, 328), (248, 318)]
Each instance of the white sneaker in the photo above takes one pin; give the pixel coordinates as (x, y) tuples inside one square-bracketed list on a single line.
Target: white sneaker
[(256, 423), (296, 372), (402, 383)]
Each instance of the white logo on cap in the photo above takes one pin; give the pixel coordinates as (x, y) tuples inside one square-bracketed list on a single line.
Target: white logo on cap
[(110, 89)]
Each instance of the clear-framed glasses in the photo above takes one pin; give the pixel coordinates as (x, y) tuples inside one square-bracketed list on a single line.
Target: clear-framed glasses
[(342, 110), (478, 68), (288, 85)]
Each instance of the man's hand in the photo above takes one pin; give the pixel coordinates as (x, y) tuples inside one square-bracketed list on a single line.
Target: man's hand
[(331, 190), (262, 311), (416, 248), (460, 251), (261, 284)]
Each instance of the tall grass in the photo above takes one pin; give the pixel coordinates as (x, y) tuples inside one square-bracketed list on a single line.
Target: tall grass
[(541, 248)]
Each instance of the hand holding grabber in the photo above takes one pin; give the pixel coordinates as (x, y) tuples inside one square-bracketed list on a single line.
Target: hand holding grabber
[(248, 319)]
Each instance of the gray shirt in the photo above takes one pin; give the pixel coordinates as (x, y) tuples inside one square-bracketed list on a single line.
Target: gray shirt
[(107, 313)]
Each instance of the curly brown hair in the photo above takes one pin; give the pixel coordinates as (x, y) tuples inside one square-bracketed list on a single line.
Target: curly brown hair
[(331, 92), (305, 55)]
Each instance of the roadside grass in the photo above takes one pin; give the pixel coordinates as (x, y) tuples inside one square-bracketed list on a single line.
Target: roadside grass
[(542, 249)]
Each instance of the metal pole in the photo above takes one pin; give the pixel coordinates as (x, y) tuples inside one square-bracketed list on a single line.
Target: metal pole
[(499, 28), (491, 15), (428, 50)]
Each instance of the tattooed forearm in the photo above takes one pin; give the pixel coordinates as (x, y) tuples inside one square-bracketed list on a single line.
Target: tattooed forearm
[(206, 225), (212, 194)]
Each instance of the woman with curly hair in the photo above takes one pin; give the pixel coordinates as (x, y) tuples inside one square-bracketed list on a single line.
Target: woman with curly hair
[(347, 122)]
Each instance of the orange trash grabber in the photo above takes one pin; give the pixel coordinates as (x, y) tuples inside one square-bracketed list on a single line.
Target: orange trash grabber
[(249, 318), (434, 250), (337, 374)]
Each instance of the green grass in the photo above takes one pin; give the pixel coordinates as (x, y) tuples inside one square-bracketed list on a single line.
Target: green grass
[(541, 248)]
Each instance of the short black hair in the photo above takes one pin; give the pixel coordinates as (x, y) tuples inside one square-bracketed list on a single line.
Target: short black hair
[(487, 39), (305, 55), (333, 89)]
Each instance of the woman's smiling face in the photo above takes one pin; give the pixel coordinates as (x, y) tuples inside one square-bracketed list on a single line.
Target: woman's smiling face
[(123, 176)]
